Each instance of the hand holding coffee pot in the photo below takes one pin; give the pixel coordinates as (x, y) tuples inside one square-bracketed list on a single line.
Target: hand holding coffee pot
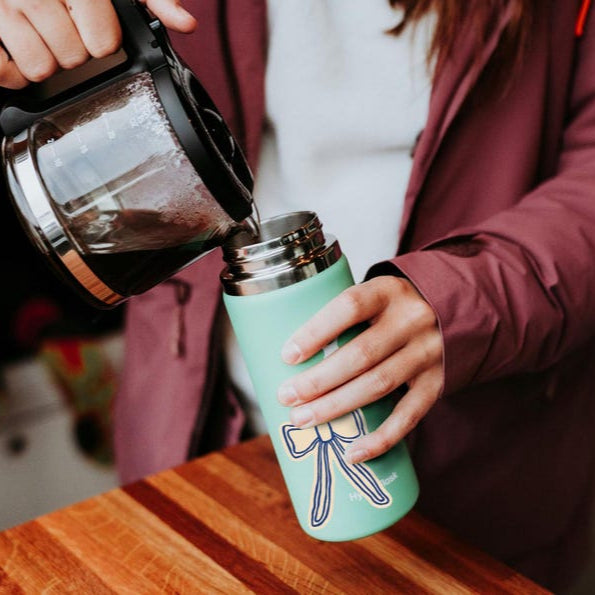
[(39, 38)]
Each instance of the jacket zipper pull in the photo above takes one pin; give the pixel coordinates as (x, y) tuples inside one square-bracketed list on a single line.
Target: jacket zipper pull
[(182, 294)]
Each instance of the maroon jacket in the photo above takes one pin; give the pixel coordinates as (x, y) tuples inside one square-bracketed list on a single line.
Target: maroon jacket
[(498, 234)]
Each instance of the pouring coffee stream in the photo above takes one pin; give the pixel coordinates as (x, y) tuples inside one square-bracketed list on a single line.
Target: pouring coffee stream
[(125, 177)]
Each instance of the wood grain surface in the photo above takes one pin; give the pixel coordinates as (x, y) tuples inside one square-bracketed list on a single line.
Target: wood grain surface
[(224, 524)]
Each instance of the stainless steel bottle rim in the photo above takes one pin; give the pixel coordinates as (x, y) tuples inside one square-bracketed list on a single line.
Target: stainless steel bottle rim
[(291, 248), (41, 222)]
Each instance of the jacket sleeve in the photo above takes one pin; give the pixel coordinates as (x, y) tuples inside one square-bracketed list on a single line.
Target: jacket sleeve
[(516, 293)]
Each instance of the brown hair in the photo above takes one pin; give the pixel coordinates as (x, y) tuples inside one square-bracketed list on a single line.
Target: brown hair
[(481, 15)]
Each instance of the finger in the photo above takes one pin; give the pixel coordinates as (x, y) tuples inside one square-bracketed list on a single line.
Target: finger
[(373, 363), (353, 359), (97, 24), (406, 415), (378, 382), (172, 15), (354, 305), (10, 76), (29, 53), (53, 23)]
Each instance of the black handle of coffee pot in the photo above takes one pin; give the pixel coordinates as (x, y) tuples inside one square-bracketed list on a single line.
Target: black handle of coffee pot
[(145, 47)]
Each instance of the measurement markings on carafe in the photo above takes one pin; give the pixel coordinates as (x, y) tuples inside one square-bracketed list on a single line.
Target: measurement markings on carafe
[(111, 133), (83, 147), (56, 160)]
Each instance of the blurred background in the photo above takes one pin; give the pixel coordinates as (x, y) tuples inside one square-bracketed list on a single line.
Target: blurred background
[(59, 366)]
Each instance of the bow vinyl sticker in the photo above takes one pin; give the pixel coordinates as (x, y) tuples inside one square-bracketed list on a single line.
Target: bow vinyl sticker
[(327, 443)]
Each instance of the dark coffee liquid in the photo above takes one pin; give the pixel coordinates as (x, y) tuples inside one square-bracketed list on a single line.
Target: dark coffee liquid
[(125, 230), (166, 245), (253, 224), (131, 273), (133, 250)]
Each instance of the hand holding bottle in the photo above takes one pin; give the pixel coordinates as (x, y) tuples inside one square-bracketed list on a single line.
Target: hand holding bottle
[(402, 345), (38, 37)]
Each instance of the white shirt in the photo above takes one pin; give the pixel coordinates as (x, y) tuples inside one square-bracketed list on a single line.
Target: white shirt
[(345, 102)]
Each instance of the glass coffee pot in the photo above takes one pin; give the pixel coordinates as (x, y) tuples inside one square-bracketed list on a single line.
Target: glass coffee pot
[(128, 175)]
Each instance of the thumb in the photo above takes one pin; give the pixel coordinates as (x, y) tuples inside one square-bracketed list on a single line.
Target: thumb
[(172, 15)]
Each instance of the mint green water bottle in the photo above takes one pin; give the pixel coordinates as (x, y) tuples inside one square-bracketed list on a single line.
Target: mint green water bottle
[(271, 288)]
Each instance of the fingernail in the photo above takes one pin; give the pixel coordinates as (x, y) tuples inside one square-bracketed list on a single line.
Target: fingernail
[(356, 456), (302, 417), (287, 394), (291, 353)]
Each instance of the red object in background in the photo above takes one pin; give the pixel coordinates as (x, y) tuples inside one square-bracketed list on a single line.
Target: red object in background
[(69, 351), (31, 318), (82, 369), (582, 18)]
